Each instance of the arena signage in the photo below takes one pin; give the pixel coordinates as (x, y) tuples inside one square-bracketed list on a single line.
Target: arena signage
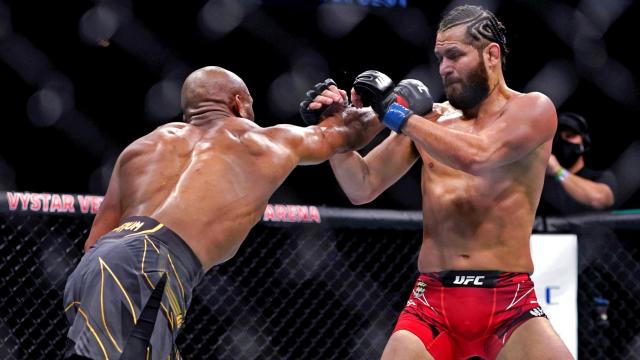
[(51, 202), (14, 201), (291, 213)]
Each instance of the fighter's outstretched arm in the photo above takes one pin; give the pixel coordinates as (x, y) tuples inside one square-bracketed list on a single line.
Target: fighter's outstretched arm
[(365, 178), (345, 130)]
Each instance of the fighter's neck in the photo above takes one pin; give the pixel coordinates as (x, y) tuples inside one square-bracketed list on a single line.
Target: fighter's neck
[(210, 116), (499, 95)]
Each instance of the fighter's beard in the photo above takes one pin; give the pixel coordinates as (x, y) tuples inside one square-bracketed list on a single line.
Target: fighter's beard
[(473, 91)]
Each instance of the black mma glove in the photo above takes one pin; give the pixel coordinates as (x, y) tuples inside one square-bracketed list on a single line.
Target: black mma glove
[(393, 105), (312, 117)]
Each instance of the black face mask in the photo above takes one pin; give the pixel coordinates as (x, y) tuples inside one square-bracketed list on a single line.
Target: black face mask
[(567, 153)]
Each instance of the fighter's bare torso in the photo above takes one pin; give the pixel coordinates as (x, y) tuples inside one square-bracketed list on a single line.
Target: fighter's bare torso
[(480, 221), (210, 197)]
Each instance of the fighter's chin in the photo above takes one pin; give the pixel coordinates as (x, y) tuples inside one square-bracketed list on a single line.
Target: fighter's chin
[(454, 99), (458, 103)]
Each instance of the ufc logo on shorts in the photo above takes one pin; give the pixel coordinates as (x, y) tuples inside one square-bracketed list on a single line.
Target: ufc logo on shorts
[(469, 279)]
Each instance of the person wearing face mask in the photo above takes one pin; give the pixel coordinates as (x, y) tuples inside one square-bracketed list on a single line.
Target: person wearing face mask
[(570, 186)]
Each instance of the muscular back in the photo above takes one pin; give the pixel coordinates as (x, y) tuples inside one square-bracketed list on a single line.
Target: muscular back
[(209, 184)]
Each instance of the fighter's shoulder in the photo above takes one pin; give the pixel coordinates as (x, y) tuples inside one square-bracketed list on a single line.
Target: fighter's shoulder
[(175, 131), (536, 110), (172, 128), (168, 133), (535, 101)]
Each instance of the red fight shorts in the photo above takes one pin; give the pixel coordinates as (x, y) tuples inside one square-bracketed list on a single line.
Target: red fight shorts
[(460, 314)]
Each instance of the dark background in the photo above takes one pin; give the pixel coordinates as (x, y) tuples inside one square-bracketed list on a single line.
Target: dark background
[(81, 80)]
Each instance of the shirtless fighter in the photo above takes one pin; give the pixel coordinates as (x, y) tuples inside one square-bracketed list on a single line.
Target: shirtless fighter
[(484, 157), (181, 200)]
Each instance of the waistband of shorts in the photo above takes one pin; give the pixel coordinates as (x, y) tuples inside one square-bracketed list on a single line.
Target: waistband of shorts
[(135, 226), (474, 278)]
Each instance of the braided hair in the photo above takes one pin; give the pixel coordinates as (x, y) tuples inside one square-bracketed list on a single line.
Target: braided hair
[(483, 27)]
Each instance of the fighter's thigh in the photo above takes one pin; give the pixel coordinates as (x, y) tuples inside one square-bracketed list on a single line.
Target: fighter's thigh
[(403, 345), (535, 339)]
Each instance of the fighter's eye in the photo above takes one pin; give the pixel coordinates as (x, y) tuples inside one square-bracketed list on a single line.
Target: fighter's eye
[(453, 55)]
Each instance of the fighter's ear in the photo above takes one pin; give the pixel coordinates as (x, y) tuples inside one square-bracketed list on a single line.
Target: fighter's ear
[(236, 106), (492, 54)]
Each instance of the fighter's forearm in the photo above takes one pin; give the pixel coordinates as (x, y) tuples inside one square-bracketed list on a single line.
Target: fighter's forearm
[(362, 126), (352, 172), (338, 133), (455, 148)]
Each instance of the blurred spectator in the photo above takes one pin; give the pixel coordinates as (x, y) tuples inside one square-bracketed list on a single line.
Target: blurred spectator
[(570, 186)]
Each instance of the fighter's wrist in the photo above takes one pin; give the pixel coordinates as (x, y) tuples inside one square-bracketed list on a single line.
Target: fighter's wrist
[(396, 116)]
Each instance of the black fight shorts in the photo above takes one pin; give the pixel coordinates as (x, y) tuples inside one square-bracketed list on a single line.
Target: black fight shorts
[(129, 295)]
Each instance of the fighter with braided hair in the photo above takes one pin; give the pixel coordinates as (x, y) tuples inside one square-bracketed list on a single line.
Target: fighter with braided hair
[(484, 155)]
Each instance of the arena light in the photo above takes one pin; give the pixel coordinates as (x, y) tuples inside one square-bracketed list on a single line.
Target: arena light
[(410, 25), (557, 80), (31, 64), (281, 101), (309, 64), (338, 21), (625, 90), (44, 108), (604, 13), (162, 101), (217, 18), (98, 25)]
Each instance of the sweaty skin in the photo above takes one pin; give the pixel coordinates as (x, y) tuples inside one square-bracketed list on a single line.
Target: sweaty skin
[(209, 179), (480, 220), (482, 168), (483, 164)]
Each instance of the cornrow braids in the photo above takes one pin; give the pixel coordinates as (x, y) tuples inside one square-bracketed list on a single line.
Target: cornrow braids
[(482, 24)]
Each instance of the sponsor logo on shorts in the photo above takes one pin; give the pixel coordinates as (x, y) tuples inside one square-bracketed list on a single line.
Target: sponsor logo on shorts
[(537, 311), (418, 291), (129, 226), (469, 280)]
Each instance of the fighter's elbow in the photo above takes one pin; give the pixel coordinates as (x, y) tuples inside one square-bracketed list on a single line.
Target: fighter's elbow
[(362, 196), (360, 200)]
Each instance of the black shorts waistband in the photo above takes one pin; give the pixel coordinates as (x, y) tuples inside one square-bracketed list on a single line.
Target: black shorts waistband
[(475, 278), (135, 226)]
